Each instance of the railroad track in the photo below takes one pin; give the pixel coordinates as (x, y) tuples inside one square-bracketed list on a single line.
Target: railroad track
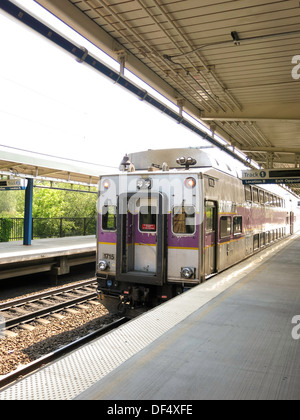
[(8, 379), (21, 312)]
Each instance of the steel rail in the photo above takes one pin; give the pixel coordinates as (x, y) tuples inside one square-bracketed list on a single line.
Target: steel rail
[(42, 295), (51, 357), (14, 322)]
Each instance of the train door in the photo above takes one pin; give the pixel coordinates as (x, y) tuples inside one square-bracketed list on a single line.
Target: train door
[(144, 241), (141, 241), (210, 237)]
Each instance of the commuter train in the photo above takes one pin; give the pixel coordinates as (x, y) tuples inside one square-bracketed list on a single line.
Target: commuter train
[(172, 218)]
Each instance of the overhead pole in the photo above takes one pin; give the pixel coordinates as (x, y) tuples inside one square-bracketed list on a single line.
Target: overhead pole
[(28, 213)]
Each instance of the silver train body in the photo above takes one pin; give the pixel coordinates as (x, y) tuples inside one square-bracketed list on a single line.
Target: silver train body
[(173, 218)]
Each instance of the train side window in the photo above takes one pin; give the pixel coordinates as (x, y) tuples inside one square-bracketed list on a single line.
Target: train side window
[(255, 195), (210, 212), (147, 219), (184, 218), (237, 225), (267, 197), (108, 219), (256, 242), (248, 194), (225, 227), (261, 197)]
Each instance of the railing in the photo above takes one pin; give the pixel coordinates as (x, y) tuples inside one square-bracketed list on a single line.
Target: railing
[(12, 229)]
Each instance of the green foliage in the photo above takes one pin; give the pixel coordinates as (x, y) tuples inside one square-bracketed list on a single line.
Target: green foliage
[(49, 202), (63, 203), (6, 225), (11, 202), (49, 206)]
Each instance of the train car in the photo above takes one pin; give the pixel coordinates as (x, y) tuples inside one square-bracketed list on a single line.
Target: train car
[(172, 218)]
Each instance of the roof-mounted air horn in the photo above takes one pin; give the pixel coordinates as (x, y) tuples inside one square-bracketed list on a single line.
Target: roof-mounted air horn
[(187, 162)]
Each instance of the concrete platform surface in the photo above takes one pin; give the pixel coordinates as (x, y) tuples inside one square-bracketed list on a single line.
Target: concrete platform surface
[(15, 251), (242, 344)]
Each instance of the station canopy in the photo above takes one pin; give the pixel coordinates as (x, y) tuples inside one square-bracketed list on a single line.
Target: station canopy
[(233, 65), (20, 163)]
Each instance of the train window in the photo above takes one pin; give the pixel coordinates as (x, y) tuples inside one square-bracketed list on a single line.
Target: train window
[(225, 226), (271, 200), (267, 199), (210, 212), (109, 217), (261, 196), (263, 239), (147, 219), (248, 195), (255, 242), (184, 220), (237, 225), (255, 195)]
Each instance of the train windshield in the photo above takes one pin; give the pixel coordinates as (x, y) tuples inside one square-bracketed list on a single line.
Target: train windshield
[(109, 221), (184, 220)]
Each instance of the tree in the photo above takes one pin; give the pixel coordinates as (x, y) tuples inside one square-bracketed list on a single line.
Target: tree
[(50, 205), (9, 203)]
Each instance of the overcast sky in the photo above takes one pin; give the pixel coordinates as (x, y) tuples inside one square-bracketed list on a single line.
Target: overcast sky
[(49, 103)]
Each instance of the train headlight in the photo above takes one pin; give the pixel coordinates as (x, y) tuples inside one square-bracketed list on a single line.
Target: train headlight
[(144, 183), (102, 265), (148, 183), (139, 183), (190, 182), (106, 184), (187, 272)]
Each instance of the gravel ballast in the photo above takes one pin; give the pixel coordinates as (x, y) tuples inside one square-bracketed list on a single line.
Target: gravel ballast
[(28, 346)]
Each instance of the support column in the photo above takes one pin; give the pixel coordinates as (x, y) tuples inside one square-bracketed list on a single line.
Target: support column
[(28, 213)]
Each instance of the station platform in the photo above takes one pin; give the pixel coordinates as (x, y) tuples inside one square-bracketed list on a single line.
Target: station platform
[(52, 254), (232, 337)]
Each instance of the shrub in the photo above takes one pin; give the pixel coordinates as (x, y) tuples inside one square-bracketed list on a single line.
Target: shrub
[(5, 229)]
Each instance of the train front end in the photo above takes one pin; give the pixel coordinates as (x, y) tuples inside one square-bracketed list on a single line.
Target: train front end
[(148, 235)]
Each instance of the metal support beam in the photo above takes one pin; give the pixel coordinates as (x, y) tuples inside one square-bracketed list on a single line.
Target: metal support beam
[(28, 212), (270, 150), (257, 112)]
